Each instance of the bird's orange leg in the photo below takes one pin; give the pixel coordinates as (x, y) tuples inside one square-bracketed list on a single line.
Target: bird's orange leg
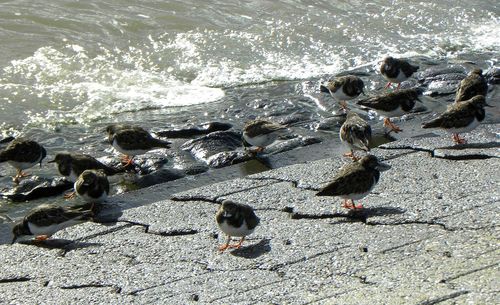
[(41, 238), (127, 160), (391, 125), (70, 195), (457, 139), (343, 105), (399, 85), (259, 149), (347, 203), (388, 85), (226, 245), (351, 155), (237, 246), (357, 207)]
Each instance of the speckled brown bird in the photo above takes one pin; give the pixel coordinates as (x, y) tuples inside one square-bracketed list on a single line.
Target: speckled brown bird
[(356, 133), (235, 219), (474, 84), (261, 133), (396, 70), (344, 88), (22, 154), (132, 141), (45, 220), (355, 181), (460, 117), (392, 104), (92, 186)]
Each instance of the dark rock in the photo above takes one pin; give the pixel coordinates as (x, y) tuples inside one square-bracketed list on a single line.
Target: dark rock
[(192, 131), (435, 71), (493, 75), (436, 88), (227, 158), (7, 140), (159, 176), (291, 144), (196, 169), (204, 147), (143, 164), (331, 123), (36, 187)]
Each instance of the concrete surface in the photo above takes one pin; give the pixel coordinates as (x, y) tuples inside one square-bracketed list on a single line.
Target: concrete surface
[(428, 235)]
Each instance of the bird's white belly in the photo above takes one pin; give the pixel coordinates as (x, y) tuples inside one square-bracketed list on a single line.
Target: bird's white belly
[(339, 95), (89, 199), (398, 79), (391, 114), (50, 230), (262, 140), (232, 231)]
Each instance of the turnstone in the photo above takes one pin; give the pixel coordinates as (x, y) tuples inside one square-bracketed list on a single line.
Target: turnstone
[(460, 117), (392, 104), (356, 133), (396, 70), (474, 84), (133, 140), (22, 154), (92, 186), (344, 88), (236, 219), (355, 181), (261, 133), (45, 220)]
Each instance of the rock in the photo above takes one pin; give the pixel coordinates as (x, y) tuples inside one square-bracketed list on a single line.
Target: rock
[(159, 176), (36, 187), (291, 144), (192, 131), (440, 70), (204, 147), (493, 75), (227, 158), (7, 140)]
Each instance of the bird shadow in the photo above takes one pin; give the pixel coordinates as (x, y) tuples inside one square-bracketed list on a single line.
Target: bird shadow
[(362, 215), (255, 250), (64, 244)]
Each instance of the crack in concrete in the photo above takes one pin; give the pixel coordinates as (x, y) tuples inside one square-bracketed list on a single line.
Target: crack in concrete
[(137, 291), (472, 156), (248, 290), (93, 285), (444, 298), (409, 222), (15, 279), (451, 278)]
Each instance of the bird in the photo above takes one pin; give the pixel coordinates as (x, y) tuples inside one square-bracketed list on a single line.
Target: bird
[(72, 165), (22, 154), (133, 140), (356, 133), (344, 88), (392, 104), (460, 117), (92, 186), (355, 181), (46, 219), (472, 85), (396, 70), (261, 133), (235, 219)]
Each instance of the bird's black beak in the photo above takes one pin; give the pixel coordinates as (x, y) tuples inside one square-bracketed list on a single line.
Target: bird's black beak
[(488, 105), (383, 166), (51, 161), (13, 240)]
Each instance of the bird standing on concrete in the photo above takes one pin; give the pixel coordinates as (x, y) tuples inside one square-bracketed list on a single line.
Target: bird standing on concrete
[(355, 181), (460, 117), (236, 219), (92, 186), (356, 133)]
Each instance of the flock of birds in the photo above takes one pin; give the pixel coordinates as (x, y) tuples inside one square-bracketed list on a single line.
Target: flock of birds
[(353, 181)]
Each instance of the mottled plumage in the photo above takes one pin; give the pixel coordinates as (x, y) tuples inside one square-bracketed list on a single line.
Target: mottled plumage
[(133, 140), (344, 88), (261, 133), (45, 220), (72, 165), (392, 104), (22, 154), (460, 117), (236, 219), (396, 70), (474, 84), (356, 133), (355, 180), (92, 186)]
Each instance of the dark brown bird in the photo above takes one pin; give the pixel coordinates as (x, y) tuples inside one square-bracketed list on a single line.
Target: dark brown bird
[(132, 141), (236, 219), (92, 186), (355, 181), (45, 220), (460, 117), (356, 133), (22, 154), (393, 104), (474, 84), (261, 133), (396, 70)]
